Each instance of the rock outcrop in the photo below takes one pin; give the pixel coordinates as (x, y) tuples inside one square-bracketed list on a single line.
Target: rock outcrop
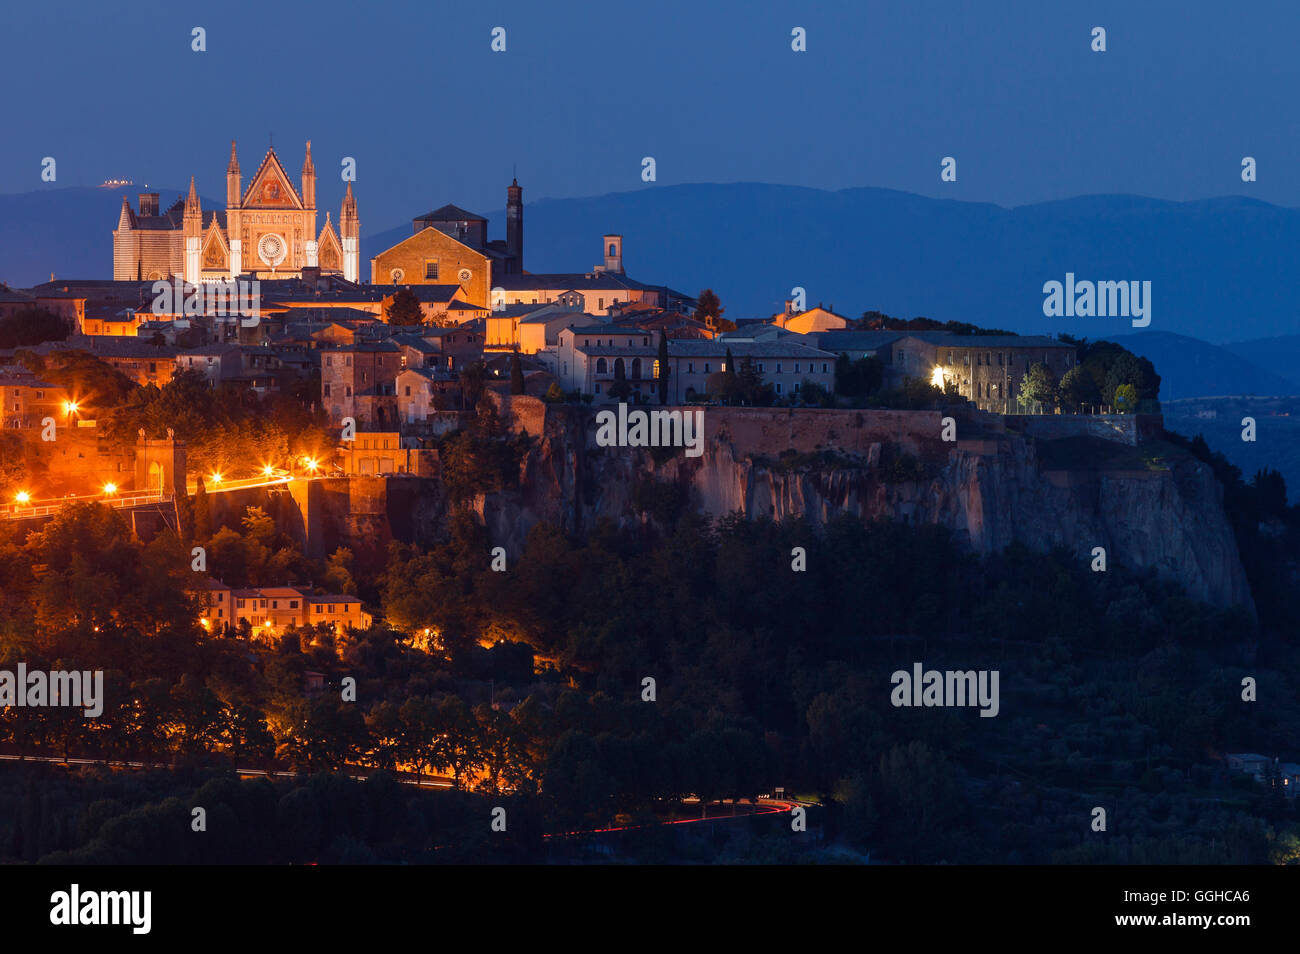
[(990, 488)]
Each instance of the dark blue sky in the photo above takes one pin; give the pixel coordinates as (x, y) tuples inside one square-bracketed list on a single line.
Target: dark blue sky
[(712, 90)]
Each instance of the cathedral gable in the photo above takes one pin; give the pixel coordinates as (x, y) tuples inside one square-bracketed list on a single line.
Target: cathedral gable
[(270, 187), (330, 251), (216, 254)]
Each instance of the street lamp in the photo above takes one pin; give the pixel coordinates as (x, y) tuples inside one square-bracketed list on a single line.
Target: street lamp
[(22, 497), (110, 489)]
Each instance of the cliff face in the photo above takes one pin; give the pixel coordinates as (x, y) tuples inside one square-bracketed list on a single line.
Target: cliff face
[(990, 488)]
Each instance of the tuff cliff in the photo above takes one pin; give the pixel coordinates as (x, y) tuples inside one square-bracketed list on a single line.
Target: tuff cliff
[(1148, 506)]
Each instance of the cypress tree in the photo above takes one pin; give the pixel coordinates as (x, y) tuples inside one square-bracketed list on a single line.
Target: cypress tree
[(516, 374), (202, 514)]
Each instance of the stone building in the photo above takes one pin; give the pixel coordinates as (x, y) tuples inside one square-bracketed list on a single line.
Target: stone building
[(987, 369), (267, 230), (451, 245), (360, 381)]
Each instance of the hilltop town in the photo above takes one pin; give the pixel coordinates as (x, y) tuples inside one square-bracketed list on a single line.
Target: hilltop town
[(443, 517)]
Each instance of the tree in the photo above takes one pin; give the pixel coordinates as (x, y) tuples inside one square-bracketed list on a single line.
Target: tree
[(516, 374), (202, 513), (1126, 398), (664, 370), (749, 383), (554, 394), (405, 309), (708, 308), (473, 379), (31, 326), (620, 389), (1038, 386), (1078, 389)]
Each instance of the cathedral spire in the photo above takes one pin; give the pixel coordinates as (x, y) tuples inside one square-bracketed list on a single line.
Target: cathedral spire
[(232, 179), (124, 219), (192, 200), (308, 180), (350, 235)]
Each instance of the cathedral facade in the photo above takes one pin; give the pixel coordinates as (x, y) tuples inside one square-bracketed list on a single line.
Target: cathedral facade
[(267, 230)]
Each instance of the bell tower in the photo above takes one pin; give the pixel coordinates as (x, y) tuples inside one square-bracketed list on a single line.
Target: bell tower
[(515, 228)]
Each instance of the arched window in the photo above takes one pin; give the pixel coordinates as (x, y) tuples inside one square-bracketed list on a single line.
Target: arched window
[(613, 250), (636, 368), (601, 367), (620, 366)]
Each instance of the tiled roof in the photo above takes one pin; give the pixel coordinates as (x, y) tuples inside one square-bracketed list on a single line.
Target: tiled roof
[(690, 348), (450, 213), (568, 281)]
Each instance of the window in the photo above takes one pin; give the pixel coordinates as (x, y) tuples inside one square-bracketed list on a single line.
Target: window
[(349, 390), (348, 361), (901, 355), (778, 367), (612, 253), (329, 361), (690, 367), (601, 366), (760, 367), (1000, 357), (706, 367), (431, 270), (325, 389), (275, 604), (778, 387), (600, 303), (796, 367), (408, 390)]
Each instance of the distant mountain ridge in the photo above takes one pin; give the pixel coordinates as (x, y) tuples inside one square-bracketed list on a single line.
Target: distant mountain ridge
[(1220, 268), (1191, 368)]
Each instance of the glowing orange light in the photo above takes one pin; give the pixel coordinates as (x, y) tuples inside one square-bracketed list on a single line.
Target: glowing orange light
[(216, 478), (311, 463), (268, 470), (23, 496), (70, 407), (110, 489)]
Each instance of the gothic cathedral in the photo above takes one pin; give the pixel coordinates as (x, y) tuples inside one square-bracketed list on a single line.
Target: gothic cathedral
[(266, 231)]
